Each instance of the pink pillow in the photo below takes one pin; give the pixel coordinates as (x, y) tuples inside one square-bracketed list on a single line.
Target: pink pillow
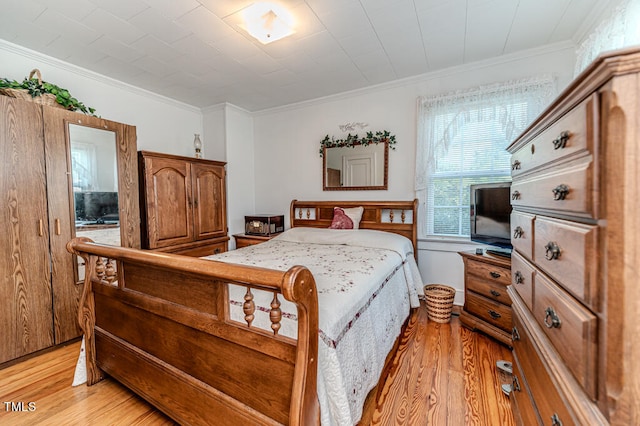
[(340, 220)]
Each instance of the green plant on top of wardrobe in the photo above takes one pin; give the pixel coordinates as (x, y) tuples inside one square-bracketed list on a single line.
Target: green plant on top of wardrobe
[(36, 88)]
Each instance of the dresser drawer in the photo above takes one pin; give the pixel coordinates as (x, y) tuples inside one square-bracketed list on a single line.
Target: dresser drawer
[(548, 400), (567, 252), (569, 190), (571, 328), (488, 310), (567, 137), (490, 289), (492, 273), (522, 273), (524, 412), (522, 233)]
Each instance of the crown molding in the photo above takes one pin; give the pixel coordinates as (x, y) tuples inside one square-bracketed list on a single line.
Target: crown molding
[(422, 78), (224, 107), (593, 19), (213, 108), (83, 72)]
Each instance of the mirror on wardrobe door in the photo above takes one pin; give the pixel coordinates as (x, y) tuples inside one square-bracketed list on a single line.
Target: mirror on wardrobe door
[(94, 177)]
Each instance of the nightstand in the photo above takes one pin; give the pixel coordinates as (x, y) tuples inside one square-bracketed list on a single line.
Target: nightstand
[(487, 306), (244, 240)]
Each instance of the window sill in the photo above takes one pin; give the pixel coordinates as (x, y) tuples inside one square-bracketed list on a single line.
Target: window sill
[(447, 244), (447, 239)]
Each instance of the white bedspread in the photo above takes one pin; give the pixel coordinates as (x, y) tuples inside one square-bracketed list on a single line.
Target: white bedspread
[(366, 282)]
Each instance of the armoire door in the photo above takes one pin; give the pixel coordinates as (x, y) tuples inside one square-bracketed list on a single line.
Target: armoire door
[(210, 219), (25, 287), (64, 283), (168, 201)]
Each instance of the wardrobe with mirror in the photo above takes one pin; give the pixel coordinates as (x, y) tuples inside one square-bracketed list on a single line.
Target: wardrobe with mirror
[(64, 175)]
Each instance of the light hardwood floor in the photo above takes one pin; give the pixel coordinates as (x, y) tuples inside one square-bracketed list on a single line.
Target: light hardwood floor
[(442, 374)]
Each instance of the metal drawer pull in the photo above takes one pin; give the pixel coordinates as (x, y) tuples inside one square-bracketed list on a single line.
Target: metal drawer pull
[(552, 250), (494, 274), (494, 314), (515, 195), (560, 192), (518, 232), (518, 278), (515, 335), (550, 313), (516, 165), (495, 293), (561, 141), (516, 383), (555, 420)]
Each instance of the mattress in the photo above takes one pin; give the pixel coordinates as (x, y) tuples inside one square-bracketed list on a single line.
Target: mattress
[(367, 281)]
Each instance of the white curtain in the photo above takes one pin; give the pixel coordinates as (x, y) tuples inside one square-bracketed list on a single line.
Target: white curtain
[(498, 101), (620, 29)]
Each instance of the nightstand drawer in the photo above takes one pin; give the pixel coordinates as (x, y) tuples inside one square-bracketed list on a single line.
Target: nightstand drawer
[(490, 273), (488, 310), (492, 290), (571, 328), (244, 240)]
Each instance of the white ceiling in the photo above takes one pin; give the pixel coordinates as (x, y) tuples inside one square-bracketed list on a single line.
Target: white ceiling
[(193, 50)]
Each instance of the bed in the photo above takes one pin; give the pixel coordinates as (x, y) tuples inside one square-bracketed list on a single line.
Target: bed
[(241, 337)]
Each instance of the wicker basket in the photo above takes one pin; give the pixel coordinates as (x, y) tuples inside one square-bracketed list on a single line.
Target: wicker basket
[(47, 99), (439, 302)]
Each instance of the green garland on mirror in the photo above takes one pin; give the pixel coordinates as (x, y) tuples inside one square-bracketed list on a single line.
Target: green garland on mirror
[(353, 140)]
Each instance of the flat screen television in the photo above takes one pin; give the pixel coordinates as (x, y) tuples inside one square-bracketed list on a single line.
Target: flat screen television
[(490, 216)]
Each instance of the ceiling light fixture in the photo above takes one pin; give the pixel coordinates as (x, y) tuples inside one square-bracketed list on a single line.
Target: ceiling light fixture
[(267, 22)]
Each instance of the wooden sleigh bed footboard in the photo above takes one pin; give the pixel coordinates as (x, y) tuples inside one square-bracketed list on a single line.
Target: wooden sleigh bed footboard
[(181, 352)]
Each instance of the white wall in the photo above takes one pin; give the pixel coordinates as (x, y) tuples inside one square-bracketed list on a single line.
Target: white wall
[(287, 140), (162, 124), (214, 129), (241, 178)]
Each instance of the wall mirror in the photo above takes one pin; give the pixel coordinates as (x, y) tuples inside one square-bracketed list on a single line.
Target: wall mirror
[(94, 179), (355, 167)]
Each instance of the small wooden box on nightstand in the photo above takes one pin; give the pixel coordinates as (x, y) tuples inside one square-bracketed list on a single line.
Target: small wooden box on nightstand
[(244, 240), (487, 306)]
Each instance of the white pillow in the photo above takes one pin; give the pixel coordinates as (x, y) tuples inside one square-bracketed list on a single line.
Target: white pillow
[(355, 214)]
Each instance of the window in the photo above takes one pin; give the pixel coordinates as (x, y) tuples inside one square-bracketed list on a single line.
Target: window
[(462, 140)]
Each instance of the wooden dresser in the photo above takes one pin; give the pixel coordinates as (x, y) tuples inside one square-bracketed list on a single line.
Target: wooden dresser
[(575, 277), (183, 203), (487, 306)]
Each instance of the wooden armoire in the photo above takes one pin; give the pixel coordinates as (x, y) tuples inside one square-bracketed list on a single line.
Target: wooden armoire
[(183, 202), (39, 287)]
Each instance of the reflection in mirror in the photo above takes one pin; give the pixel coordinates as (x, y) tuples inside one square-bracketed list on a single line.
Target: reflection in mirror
[(355, 167), (94, 173)]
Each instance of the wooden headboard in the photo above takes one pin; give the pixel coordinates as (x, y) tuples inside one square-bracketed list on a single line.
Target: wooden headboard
[(399, 217)]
